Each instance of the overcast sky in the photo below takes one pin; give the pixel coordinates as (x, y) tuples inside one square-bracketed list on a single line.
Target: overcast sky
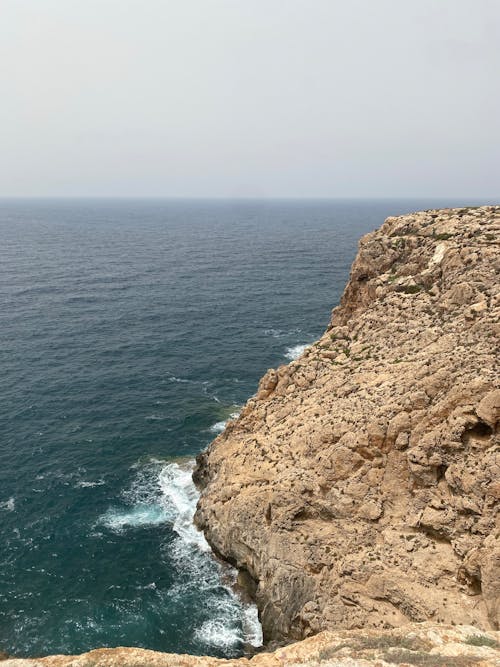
[(250, 98)]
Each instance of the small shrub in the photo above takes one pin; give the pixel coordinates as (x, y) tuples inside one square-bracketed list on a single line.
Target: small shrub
[(409, 289), (387, 642), (443, 237), (482, 640), (329, 652), (427, 659)]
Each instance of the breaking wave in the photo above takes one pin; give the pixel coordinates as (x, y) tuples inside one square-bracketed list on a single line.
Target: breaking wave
[(164, 493), (8, 505), (219, 426), (295, 351)]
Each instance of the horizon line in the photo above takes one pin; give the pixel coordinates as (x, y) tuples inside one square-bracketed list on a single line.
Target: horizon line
[(250, 198)]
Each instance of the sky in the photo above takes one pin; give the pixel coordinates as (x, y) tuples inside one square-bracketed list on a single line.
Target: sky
[(250, 98)]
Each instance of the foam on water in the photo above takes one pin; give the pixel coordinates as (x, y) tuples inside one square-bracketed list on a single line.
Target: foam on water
[(216, 632), (164, 492), (136, 517), (279, 333), (85, 484), (295, 351), (218, 427), (179, 497), (8, 505)]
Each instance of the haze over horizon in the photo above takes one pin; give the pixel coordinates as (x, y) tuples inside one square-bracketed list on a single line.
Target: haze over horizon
[(269, 99)]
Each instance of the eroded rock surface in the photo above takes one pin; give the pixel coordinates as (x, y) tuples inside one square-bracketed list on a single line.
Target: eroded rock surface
[(425, 644), (360, 487)]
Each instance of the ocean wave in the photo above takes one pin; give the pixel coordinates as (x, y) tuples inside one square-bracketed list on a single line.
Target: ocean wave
[(84, 484), (295, 351), (164, 492), (280, 333), (137, 517), (8, 505), (215, 632), (218, 427), (173, 378)]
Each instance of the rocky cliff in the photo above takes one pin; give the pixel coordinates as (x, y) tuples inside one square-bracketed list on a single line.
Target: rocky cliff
[(360, 487)]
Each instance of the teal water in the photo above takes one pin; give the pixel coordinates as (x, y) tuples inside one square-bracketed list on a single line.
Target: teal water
[(130, 330)]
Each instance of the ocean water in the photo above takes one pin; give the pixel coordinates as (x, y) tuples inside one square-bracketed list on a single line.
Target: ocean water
[(130, 331)]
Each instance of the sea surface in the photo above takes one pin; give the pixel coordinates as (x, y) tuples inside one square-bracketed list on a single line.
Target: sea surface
[(130, 331)]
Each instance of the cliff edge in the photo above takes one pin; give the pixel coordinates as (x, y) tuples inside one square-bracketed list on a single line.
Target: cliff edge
[(421, 644), (360, 486)]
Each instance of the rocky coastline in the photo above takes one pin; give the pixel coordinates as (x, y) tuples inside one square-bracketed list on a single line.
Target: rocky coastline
[(359, 488), (358, 491)]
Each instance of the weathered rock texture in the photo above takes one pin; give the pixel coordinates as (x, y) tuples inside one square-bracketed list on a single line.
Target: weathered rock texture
[(427, 644), (360, 487)]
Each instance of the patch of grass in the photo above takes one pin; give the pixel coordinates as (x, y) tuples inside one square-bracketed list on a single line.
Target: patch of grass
[(329, 652), (422, 658), (409, 645), (409, 289), (482, 640), (382, 642), (490, 237)]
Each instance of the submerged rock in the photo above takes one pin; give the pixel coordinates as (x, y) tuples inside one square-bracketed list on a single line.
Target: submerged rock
[(360, 487)]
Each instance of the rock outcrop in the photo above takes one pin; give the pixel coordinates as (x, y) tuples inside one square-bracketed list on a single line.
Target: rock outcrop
[(360, 487), (425, 644)]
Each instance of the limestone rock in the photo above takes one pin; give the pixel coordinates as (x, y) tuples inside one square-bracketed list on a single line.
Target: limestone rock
[(368, 470)]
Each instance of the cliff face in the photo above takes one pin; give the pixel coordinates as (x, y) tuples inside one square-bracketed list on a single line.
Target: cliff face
[(360, 487)]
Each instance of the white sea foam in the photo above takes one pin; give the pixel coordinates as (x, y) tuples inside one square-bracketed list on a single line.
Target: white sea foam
[(173, 378), (180, 496), (165, 493), (8, 505), (136, 517), (83, 484), (218, 427), (216, 632), (154, 418), (295, 351), (280, 333)]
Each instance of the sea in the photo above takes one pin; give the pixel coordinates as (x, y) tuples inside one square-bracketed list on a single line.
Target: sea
[(130, 331)]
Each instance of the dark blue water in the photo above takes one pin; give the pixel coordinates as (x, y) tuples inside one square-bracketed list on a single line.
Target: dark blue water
[(129, 332)]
